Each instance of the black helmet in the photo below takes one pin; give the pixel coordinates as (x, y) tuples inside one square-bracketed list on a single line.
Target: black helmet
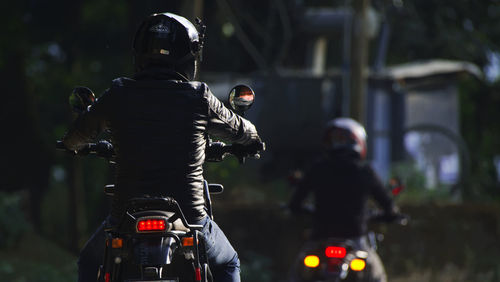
[(345, 134), (171, 41)]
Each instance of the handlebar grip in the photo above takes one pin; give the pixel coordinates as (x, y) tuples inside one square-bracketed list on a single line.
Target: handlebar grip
[(216, 151), (102, 148), (260, 146), (398, 218)]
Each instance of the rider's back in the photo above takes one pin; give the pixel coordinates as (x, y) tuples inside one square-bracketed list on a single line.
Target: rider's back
[(158, 125), (341, 188), (158, 129)]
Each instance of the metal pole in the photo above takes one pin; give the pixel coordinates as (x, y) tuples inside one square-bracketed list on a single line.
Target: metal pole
[(346, 63), (359, 59)]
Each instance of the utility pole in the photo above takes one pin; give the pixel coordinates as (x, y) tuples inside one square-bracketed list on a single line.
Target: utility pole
[(359, 60)]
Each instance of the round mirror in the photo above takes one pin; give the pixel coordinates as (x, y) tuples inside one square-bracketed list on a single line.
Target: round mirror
[(81, 98), (241, 98)]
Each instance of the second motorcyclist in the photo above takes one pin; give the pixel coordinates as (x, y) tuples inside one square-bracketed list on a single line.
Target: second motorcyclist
[(159, 121), (341, 183)]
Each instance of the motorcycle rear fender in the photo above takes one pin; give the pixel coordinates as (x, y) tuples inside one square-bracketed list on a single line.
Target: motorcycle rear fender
[(154, 251)]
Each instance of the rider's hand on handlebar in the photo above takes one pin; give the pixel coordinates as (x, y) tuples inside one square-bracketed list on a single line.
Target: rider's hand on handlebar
[(392, 215), (104, 149), (215, 152), (251, 150)]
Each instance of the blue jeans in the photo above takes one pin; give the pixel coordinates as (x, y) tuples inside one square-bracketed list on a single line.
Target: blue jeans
[(222, 257)]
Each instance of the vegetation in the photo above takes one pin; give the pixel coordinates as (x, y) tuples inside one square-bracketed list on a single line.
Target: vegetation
[(50, 203)]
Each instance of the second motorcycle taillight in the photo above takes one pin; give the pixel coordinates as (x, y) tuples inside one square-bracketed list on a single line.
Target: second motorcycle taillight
[(335, 252), (151, 224)]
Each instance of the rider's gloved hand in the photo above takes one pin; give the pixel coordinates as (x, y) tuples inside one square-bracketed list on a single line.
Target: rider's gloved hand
[(251, 150), (215, 152), (105, 149), (258, 147), (395, 215)]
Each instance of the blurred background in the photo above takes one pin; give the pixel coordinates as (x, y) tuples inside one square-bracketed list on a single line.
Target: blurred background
[(422, 76)]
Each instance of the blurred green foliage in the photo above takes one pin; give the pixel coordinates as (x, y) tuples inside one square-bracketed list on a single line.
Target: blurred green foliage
[(256, 267), (21, 270), (24, 255), (442, 242), (479, 125), (449, 29), (12, 220), (48, 47), (415, 187)]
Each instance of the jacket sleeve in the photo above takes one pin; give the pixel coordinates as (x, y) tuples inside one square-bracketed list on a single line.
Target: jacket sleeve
[(378, 191), (88, 125), (298, 197), (305, 186), (225, 124)]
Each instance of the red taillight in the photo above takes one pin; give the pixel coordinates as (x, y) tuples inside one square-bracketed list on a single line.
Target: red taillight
[(335, 252), (151, 224)]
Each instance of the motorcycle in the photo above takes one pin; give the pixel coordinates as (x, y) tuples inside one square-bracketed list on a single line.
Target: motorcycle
[(342, 259), (153, 240)]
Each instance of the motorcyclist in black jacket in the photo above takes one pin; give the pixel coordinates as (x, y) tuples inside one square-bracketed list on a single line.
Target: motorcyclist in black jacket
[(159, 121), (342, 182)]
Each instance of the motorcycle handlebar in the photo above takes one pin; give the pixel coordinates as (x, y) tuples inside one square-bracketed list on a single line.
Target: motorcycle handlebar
[(217, 151), (398, 218), (102, 149)]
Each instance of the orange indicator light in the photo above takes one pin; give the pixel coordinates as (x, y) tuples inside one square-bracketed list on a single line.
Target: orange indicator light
[(187, 241), (358, 264), (311, 261), (117, 243)]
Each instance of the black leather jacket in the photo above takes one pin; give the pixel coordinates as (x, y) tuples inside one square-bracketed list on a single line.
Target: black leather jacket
[(341, 184), (159, 125)]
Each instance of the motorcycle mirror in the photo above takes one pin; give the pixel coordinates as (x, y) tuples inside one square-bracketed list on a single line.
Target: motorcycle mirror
[(80, 99), (396, 186), (241, 98), (215, 188)]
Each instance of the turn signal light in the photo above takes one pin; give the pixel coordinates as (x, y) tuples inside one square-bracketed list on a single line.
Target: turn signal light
[(311, 261), (358, 264), (152, 224), (187, 241), (335, 252), (117, 243)]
